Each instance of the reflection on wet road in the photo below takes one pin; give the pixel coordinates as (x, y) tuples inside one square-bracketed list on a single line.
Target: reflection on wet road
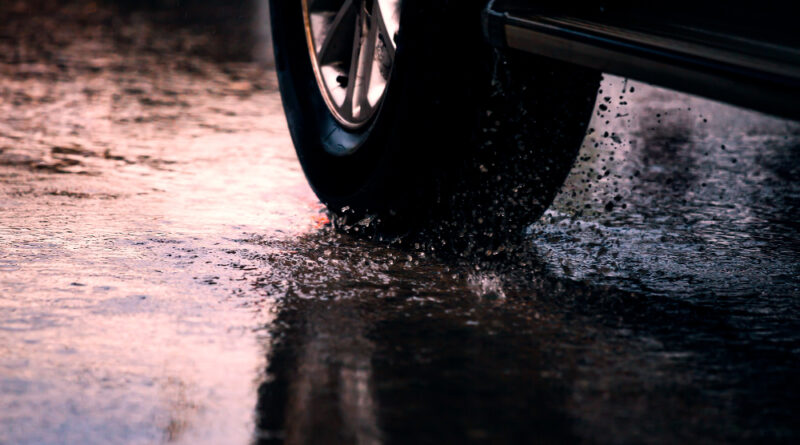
[(167, 276)]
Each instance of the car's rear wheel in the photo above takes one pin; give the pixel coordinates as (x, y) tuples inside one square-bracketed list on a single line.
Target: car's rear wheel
[(404, 117), (351, 44)]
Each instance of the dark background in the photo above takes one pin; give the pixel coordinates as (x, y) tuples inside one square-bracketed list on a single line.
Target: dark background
[(233, 30)]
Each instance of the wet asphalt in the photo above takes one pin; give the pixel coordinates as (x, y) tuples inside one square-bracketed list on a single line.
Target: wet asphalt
[(166, 275)]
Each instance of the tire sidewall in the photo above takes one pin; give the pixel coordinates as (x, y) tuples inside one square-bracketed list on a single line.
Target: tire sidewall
[(353, 181)]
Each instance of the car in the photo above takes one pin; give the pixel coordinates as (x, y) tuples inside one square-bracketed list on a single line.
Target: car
[(465, 117)]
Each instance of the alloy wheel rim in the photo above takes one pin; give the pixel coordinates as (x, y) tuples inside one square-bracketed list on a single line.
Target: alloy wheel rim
[(352, 46)]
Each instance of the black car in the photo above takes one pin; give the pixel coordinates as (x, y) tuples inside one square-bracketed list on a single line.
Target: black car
[(470, 113)]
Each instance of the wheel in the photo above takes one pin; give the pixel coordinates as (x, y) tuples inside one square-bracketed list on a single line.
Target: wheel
[(403, 117)]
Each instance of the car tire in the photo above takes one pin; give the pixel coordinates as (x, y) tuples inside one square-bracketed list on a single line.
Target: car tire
[(468, 144)]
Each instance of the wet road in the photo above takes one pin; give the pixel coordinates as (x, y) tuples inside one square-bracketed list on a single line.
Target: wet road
[(166, 275)]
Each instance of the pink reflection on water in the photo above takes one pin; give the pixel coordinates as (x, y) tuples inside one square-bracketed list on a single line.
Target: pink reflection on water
[(127, 180)]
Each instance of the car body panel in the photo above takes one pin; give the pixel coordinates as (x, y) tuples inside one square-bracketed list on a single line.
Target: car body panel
[(703, 48)]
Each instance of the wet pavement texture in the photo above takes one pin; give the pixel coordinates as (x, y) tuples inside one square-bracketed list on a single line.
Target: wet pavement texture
[(166, 275)]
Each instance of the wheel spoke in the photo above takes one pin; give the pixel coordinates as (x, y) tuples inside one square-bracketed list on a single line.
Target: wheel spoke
[(347, 108), (337, 32), (386, 34), (367, 61)]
